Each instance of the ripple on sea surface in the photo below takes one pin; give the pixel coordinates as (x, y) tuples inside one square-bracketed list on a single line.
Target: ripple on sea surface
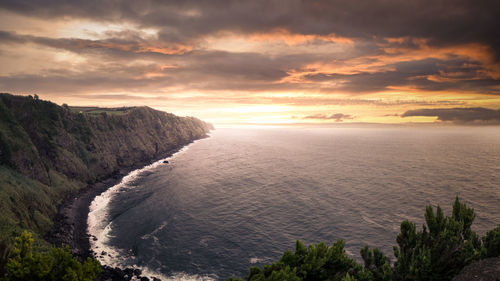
[(243, 196)]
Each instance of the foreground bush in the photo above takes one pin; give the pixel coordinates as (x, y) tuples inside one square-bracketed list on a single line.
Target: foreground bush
[(438, 252), (443, 247), (58, 264), (491, 242)]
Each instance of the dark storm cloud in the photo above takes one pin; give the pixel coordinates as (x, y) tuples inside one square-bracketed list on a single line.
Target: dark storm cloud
[(459, 115), (337, 117), (444, 22)]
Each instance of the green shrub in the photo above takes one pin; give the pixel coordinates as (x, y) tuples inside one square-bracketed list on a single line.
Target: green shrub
[(316, 262), (438, 252), (348, 277), (491, 242), (441, 249), (377, 263), (58, 264)]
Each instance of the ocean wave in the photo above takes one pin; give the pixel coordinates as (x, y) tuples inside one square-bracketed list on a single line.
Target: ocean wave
[(243, 197), (99, 226), (176, 276)]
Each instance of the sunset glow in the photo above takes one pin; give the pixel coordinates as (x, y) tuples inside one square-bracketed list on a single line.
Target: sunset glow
[(257, 62)]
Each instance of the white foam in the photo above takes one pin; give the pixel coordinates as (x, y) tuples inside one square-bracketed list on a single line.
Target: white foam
[(177, 276), (158, 229), (99, 227), (256, 260)]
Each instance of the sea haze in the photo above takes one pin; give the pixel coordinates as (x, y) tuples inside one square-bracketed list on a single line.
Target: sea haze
[(243, 196)]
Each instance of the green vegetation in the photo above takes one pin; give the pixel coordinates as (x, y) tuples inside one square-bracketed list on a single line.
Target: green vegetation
[(491, 242), (438, 252), (56, 264), (26, 204), (100, 110), (48, 152)]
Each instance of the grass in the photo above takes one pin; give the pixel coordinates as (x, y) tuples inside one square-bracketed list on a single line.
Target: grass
[(93, 110)]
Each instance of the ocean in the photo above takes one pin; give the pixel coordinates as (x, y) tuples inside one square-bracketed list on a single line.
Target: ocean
[(243, 196)]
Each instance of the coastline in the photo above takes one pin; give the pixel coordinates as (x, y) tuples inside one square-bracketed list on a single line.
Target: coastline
[(70, 223)]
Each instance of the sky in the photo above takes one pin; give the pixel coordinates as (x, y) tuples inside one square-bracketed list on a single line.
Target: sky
[(261, 62)]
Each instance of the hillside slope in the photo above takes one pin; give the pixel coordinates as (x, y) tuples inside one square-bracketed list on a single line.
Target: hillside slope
[(48, 152)]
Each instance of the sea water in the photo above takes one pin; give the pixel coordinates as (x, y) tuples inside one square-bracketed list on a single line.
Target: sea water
[(243, 196)]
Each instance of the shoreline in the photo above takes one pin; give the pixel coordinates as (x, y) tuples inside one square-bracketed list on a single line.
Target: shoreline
[(70, 223)]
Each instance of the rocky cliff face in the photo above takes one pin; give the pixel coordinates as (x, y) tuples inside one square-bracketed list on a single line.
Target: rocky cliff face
[(41, 136), (48, 151)]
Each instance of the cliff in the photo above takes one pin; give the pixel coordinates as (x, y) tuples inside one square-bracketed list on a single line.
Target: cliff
[(48, 152)]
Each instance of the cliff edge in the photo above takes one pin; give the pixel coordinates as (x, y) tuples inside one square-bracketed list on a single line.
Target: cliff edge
[(50, 152)]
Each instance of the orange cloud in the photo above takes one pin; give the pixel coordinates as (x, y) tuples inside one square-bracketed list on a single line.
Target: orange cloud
[(176, 49), (293, 39), (475, 52)]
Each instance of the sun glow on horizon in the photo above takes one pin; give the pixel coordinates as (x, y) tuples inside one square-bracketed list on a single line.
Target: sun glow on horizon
[(192, 60)]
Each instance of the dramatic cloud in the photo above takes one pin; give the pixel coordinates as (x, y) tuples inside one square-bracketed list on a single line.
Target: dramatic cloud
[(249, 61), (337, 117), (459, 115), (443, 21)]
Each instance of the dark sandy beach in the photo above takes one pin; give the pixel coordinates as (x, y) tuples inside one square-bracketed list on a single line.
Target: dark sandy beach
[(70, 223)]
